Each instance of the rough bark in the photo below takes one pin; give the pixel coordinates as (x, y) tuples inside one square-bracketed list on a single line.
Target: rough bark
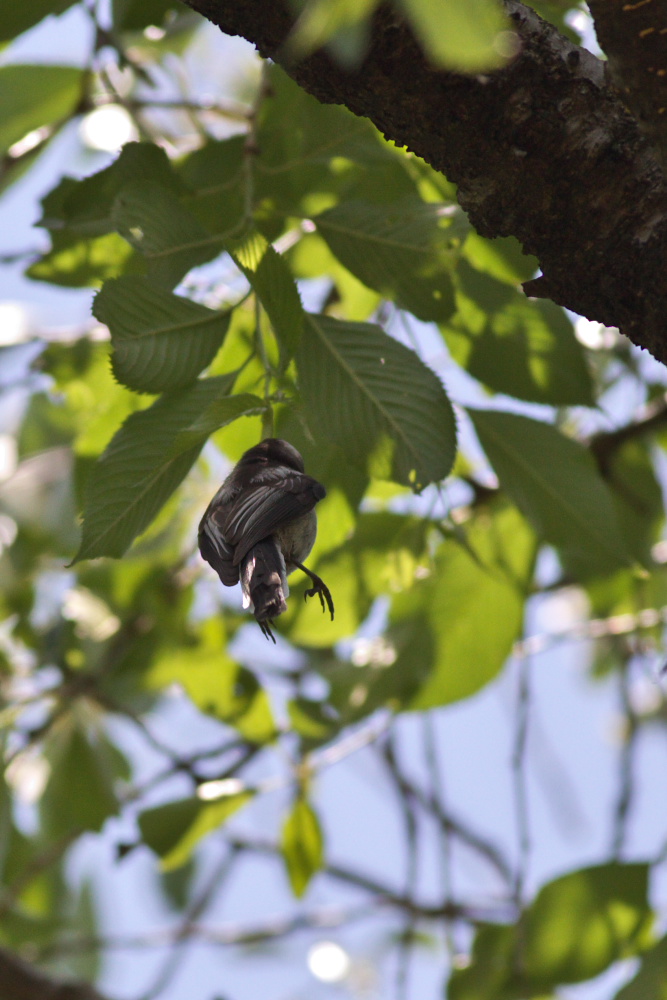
[(633, 34), (543, 150), (21, 981)]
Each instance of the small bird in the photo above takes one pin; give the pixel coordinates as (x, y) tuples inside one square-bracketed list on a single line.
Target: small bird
[(261, 525)]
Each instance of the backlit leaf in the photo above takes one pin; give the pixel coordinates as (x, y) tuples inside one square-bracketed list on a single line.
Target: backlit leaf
[(377, 400)]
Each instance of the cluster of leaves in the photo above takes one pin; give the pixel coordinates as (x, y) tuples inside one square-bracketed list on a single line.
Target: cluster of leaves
[(202, 261)]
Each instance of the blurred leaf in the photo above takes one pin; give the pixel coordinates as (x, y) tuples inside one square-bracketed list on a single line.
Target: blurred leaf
[(80, 792), (16, 18), (524, 348), (217, 685), (377, 400), (399, 250), (637, 496), (458, 625), (161, 341), (34, 96), (320, 21), (138, 471), (302, 845), (651, 979), (135, 15), (577, 926), (173, 830), (553, 480), (383, 556), (272, 281), (461, 34)]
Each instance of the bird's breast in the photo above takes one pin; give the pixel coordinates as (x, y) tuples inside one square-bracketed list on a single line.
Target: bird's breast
[(296, 538)]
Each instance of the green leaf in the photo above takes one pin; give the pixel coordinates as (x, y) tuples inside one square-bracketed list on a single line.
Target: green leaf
[(173, 830), (377, 400), (400, 250), (272, 281), (302, 845), (382, 557), (86, 206), (321, 21), (80, 792), (577, 926), (16, 18), (651, 979), (160, 341), (33, 96), (215, 175), (216, 684), (461, 34), (75, 262), (138, 471), (459, 625), (554, 481), (135, 15), (524, 348), (153, 220)]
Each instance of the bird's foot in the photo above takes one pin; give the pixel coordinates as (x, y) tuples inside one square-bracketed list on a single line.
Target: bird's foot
[(320, 588)]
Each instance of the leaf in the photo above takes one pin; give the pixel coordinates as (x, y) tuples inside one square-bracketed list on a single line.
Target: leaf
[(302, 845), (153, 220), (576, 927), (459, 625), (377, 400), (18, 17), (160, 341), (33, 96), (86, 206), (460, 35), (554, 482), (400, 250), (138, 471), (174, 829), (80, 792), (320, 21), (76, 262), (651, 979), (216, 684), (135, 15), (272, 281), (524, 348)]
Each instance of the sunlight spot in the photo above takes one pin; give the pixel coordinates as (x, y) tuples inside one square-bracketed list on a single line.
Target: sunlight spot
[(107, 128), (211, 790), (328, 962)]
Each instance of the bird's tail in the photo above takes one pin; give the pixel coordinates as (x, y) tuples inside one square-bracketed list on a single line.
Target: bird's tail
[(264, 580)]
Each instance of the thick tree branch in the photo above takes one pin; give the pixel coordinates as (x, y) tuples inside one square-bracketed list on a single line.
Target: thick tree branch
[(632, 34), (20, 981), (543, 150)]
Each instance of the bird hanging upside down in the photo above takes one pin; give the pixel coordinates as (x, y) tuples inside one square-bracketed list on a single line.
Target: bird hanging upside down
[(261, 525)]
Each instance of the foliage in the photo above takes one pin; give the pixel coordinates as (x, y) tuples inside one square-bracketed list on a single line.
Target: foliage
[(286, 270)]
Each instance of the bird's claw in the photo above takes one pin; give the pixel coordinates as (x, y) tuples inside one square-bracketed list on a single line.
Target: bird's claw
[(320, 588), (266, 629)]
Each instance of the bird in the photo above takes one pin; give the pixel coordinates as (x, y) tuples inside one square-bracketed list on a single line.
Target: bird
[(261, 525)]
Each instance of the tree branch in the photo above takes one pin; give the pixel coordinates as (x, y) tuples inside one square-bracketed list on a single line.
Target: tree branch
[(20, 981), (543, 150)]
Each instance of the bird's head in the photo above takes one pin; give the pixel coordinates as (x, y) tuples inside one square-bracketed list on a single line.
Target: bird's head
[(273, 450)]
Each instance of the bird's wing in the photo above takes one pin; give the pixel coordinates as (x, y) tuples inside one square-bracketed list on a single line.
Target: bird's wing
[(215, 549), (263, 506)]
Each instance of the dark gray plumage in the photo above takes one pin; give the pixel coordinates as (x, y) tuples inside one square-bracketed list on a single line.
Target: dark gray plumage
[(261, 525)]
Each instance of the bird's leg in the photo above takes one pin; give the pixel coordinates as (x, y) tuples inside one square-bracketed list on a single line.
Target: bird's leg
[(319, 587), (266, 629)]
